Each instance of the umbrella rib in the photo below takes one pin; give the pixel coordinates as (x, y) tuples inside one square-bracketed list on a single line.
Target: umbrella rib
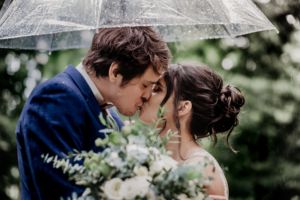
[(5, 7), (174, 10), (98, 13), (66, 23), (225, 15)]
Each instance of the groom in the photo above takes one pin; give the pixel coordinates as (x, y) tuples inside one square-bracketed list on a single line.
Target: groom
[(62, 114)]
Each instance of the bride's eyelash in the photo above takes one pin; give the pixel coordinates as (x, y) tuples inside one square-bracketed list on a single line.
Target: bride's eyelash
[(157, 89)]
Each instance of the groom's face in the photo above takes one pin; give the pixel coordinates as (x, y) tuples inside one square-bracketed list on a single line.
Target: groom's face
[(131, 97)]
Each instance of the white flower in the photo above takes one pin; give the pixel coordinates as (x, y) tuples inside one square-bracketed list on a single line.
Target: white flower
[(165, 162), (138, 152), (136, 186), (183, 197), (140, 171), (115, 160), (154, 151), (128, 122), (138, 140), (156, 167), (200, 196), (112, 189), (151, 195), (169, 163)]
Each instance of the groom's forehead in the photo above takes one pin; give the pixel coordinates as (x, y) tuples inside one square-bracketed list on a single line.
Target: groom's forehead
[(150, 76)]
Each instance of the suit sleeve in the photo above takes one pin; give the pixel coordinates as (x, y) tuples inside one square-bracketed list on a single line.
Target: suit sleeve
[(52, 122)]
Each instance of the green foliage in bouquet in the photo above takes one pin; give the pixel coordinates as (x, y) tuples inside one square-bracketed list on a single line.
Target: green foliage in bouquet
[(133, 165)]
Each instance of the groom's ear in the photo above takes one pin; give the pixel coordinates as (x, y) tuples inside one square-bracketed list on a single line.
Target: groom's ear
[(113, 74), (184, 108)]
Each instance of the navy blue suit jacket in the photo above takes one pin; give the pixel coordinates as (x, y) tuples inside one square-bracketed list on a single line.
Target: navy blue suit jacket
[(59, 116)]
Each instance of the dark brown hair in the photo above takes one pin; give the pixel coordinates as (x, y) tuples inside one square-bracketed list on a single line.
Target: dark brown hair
[(132, 48), (215, 107)]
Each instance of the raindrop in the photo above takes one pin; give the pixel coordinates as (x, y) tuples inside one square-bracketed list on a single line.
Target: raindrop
[(242, 42), (31, 64), (9, 58), (227, 64), (35, 74), (13, 64), (42, 58), (86, 36), (12, 105), (290, 19), (4, 146), (14, 172), (30, 83), (42, 45), (27, 92), (18, 86), (12, 191), (24, 57), (251, 65)]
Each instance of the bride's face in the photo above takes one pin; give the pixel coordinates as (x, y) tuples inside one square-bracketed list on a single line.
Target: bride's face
[(148, 113)]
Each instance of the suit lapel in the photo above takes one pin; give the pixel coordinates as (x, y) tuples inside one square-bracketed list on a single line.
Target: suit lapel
[(84, 89)]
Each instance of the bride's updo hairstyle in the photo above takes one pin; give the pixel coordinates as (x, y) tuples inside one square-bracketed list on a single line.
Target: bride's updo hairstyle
[(215, 107)]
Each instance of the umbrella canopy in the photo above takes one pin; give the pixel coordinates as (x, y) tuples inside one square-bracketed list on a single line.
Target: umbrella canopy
[(64, 24)]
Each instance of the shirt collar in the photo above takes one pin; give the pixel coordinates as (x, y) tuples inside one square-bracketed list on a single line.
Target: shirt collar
[(91, 84)]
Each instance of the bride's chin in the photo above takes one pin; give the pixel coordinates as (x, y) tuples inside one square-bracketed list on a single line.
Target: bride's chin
[(144, 118), (141, 114)]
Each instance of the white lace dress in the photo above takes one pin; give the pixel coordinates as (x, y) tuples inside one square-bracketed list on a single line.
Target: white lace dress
[(200, 154)]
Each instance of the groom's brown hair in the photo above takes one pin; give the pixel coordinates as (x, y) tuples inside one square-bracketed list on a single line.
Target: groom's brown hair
[(134, 49)]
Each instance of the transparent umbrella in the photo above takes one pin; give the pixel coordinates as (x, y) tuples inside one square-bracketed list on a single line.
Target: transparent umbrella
[(64, 24)]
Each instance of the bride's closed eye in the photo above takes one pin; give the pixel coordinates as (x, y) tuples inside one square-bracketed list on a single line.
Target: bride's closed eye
[(157, 88)]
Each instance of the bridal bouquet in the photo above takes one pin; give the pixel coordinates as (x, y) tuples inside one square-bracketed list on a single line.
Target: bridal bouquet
[(134, 164)]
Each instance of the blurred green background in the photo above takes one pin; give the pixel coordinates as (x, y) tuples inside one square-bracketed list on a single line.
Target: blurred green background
[(265, 66)]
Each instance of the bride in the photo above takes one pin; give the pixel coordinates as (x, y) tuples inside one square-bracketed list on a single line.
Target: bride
[(197, 105)]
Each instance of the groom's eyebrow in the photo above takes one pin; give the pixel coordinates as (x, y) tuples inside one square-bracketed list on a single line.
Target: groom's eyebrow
[(152, 82)]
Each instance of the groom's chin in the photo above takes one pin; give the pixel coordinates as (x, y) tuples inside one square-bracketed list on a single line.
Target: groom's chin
[(127, 113)]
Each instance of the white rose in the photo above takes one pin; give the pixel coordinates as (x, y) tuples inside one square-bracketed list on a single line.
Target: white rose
[(169, 163), (140, 171), (137, 152), (151, 195), (115, 160), (112, 189), (154, 151), (156, 167), (136, 186)]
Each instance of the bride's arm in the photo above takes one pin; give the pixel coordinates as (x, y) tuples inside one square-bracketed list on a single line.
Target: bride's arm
[(217, 197), (217, 187)]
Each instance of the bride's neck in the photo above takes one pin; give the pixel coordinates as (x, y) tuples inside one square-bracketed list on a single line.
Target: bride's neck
[(182, 145)]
